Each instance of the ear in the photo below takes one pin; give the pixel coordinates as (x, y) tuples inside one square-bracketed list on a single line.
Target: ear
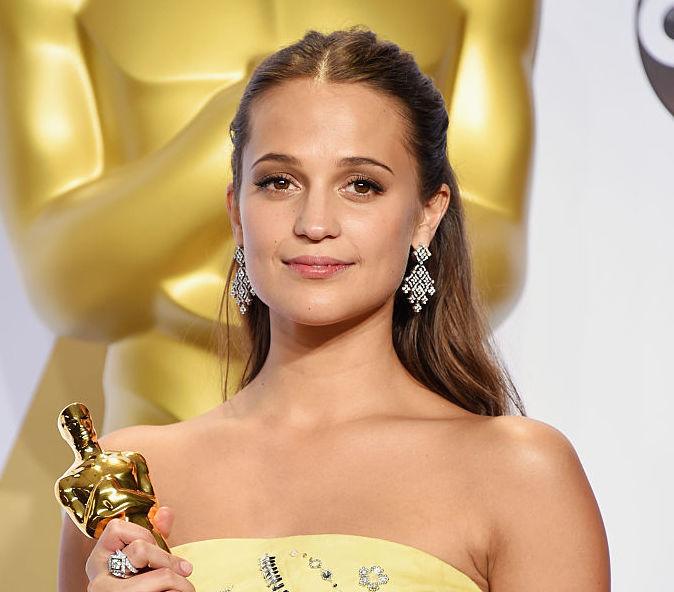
[(430, 216), (234, 215)]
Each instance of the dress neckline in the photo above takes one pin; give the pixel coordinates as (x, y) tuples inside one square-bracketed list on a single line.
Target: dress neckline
[(434, 558)]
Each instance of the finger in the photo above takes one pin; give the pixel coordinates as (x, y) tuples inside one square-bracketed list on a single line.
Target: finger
[(163, 520), (142, 554), (116, 535), (157, 580)]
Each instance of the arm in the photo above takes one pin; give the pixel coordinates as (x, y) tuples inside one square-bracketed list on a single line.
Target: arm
[(74, 551), (142, 473), (84, 232), (109, 498), (548, 533), (70, 499)]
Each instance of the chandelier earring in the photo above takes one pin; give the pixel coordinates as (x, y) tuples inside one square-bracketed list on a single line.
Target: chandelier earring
[(241, 289), (418, 285)]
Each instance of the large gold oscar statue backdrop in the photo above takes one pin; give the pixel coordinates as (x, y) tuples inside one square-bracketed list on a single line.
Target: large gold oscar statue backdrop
[(115, 161)]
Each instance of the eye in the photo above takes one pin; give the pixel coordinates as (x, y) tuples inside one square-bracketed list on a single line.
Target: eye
[(284, 182), (281, 183), (368, 185)]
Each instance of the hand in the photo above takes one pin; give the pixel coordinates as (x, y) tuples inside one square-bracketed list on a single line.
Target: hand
[(157, 569)]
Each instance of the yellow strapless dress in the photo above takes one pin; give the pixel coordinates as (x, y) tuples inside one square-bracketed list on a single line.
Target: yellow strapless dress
[(318, 563)]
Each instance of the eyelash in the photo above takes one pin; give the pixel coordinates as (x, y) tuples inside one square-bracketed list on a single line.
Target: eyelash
[(262, 183)]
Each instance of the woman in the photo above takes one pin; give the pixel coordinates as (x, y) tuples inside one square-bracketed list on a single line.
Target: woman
[(371, 443)]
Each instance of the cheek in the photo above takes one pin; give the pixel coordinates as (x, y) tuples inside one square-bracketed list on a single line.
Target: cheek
[(262, 232), (384, 245)]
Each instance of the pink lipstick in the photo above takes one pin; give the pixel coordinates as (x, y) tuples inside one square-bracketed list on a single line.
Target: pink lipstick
[(316, 267)]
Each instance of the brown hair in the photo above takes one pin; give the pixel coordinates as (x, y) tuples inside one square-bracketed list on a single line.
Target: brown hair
[(448, 346)]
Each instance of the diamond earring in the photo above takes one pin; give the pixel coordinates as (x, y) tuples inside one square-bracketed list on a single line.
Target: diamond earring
[(419, 283), (241, 289)]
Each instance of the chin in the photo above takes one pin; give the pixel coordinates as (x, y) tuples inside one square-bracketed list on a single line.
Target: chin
[(324, 312), (312, 314)]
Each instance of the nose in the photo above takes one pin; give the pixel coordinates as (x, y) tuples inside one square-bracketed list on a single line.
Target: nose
[(317, 216)]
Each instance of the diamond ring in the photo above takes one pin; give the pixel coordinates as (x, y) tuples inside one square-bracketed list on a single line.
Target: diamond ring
[(120, 566)]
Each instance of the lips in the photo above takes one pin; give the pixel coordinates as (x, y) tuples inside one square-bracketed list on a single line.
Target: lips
[(317, 260), (317, 266)]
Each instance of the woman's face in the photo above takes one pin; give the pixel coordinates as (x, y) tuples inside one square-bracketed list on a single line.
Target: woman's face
[(325, 174)]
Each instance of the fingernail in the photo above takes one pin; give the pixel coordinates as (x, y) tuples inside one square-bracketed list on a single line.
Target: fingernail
[(186, 566)]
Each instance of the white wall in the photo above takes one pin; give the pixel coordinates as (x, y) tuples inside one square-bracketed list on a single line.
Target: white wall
[(25, 344), (589, 341)]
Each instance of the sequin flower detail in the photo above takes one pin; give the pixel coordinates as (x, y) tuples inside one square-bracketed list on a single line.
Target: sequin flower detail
[(372, 577)]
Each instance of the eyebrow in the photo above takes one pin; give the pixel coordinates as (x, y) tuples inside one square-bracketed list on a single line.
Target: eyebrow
[(344, 162)]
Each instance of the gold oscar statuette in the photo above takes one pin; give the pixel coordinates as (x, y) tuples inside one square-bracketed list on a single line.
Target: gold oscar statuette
[(103, 484)]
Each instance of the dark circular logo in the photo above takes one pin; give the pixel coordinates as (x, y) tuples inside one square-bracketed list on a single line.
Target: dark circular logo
[(655, 33)]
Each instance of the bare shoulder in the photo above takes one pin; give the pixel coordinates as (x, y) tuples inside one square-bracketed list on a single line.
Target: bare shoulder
[(159, 445), (165, 448), (527, 441), (150, 438), (546, 528), (135, 437), (525, 456)]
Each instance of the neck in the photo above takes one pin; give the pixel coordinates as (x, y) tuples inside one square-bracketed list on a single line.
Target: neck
[(315, 376), (88, 450)]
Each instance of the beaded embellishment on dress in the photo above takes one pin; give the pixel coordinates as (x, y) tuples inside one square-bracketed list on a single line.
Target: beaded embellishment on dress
[(274, 579), (315, 563), (372, 577), (271, 573)]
